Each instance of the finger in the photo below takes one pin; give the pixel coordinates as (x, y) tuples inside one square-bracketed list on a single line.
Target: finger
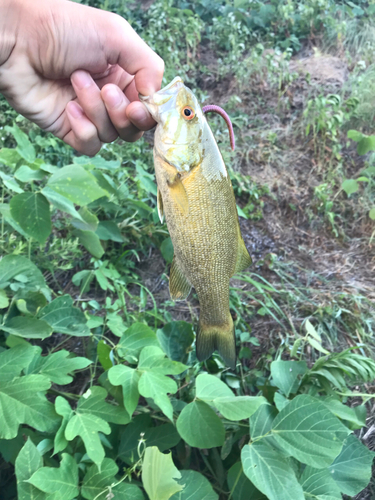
[(89, 98), (83, 135), (116, 104), (139, 116), (128, 50)]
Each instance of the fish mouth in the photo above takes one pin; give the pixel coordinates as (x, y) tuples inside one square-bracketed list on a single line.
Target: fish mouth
[(177, 81), (153, 102)]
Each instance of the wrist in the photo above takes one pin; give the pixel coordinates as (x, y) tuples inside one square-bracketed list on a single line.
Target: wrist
[(9, 11)]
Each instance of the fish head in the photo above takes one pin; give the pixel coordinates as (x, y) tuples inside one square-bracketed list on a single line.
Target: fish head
[(180, 123)]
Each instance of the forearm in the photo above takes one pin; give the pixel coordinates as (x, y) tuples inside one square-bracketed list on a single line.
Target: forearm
[(9, 14)]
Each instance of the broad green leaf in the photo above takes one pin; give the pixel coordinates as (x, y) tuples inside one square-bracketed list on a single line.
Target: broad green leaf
[(307, 430), (87, 221), (240, 486), (57, 365), (153, 358), (31, 302), (261, 421), (280, 401), (133, 433), (176, 339), (197, 487), (354, 135), (109, 230), (27, 174), (352, 468), (93, 402), (286, 375), (136, 338), (24, 146), (61, 202), (318, 484), (98, 162), (104, 351), (76, 184), (5, 211), (163, 436), (200, 427), (14, 360), (155, 385), (31, 211), (128, 378), (12, 266), (21, 402), (270, 472), (11, 183), (371, 213), (167, 250), (87, 427), (366, 144), (63, 408), (9, 157), (350, 186), (28, 461), (159, 475), (27, 327), (345, 412), (64, 318), (209, 387), (62, 481), (90, 241), (238, 407)]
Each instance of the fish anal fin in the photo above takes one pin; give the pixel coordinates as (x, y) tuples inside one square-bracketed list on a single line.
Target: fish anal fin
[(160, 207), (179, 286), (243, 258), (217, 337)]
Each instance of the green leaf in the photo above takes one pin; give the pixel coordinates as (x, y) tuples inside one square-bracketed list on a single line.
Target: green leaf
[(87, 221), (200, 427), (371, 213), (163, 436), (93, 402), (316, 345), (354, 135), (238, 407), (153, 358), (9, 157), (366, 144), (208, 387), (27, 327), (90, 241), (128, 378), (62, 408), (60, 202), (167, 250), (62, 480), (307, 430), (261, 421), (57, 365), (128, 448), (24, 146), (352, 468), (11, 183), (87, 427), (136, 338), (350, 186), (21, 402), (64, 318), (76, 184), (5, 211), (31, 211), (159, 475), (104, 351), (155, 385), (176, 339), (345, 412), (27, 174), (241, 488), (109, 230), (197, 487), (286, 375), (14, 360), (270, 472), (28, 461), (318, 484), (280, 401)]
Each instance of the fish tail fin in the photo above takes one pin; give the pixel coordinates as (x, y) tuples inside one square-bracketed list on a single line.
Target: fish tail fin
[(217, 337)]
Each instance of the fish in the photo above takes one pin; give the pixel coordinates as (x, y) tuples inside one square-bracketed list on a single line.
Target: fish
[(196, 198)]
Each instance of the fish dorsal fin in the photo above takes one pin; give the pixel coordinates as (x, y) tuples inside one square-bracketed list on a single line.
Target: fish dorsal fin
[(243, 258), (179, 286), (160, 207), (178, 193)]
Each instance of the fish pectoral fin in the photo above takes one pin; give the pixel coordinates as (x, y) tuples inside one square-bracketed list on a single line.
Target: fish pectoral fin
[(243, 258), (160, 207), (179, 286), (179, 196)]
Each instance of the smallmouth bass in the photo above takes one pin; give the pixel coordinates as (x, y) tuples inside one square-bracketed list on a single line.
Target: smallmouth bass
[(196, 197)]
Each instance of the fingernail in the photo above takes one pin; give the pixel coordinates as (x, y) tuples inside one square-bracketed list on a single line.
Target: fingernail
[(113, 97), (82, 79), (75, 110)]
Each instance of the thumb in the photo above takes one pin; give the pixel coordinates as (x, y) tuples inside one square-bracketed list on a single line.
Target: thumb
[(127, 49)]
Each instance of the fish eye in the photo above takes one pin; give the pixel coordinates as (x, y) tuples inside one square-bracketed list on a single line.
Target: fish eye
[(188, 113)]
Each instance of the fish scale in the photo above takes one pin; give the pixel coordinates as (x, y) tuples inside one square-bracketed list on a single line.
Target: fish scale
[(197, 199)]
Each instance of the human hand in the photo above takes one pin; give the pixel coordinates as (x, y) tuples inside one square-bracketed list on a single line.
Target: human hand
[(76, 71)]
